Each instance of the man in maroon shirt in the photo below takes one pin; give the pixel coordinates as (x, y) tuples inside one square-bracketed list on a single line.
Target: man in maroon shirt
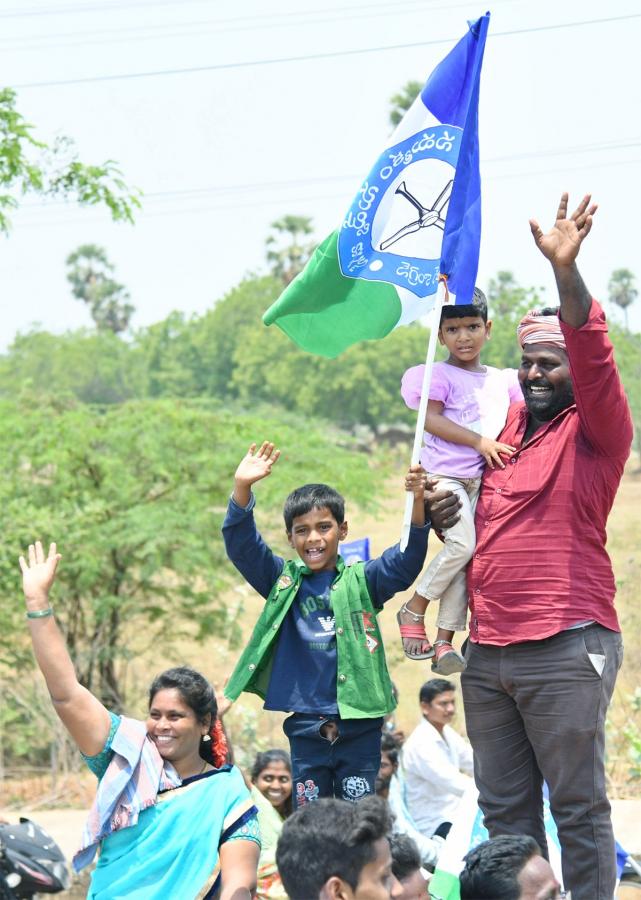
[(545, 646)]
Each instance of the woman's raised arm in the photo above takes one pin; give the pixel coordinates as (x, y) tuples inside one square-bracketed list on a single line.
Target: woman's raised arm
[(84, 716)]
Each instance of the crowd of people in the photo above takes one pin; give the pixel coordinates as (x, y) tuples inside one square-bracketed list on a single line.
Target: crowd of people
[(518, 475)]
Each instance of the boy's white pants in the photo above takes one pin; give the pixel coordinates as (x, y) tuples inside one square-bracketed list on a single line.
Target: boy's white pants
[(444, 579)]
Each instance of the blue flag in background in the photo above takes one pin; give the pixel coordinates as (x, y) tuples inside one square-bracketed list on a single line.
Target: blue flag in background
[(354, 551)]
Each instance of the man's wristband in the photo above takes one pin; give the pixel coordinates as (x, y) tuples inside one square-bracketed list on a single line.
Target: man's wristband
[(39, 613)]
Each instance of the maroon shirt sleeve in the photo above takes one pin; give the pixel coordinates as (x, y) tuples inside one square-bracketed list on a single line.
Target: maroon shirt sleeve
[(600, 399)]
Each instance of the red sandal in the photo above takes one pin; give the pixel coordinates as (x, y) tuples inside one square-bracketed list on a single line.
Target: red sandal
[(416, 630), (447, 660)]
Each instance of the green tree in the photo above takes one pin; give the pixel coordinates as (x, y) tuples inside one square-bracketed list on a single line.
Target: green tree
[(90, 274), (622, 291), (171, 360), (627, 352), (361, 387), (134, 495), (402, 101), (177, 357), (507, 303), (288, 251), (209, 347), (94, 367), (28, 165)]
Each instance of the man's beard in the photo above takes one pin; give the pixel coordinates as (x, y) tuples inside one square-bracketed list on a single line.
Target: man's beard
[(546, 407), (382, 784)]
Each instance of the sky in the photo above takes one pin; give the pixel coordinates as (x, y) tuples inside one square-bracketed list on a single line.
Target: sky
[(283, 109)]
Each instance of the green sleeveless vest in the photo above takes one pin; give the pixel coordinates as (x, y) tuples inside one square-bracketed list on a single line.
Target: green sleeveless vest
[(363, 685)]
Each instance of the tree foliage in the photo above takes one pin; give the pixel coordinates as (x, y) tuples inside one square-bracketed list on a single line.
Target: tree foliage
[(229, 356), (29, 165), (93, 367), (217, 339), (507, 304), (622, 290), (90, 274), (401, 101), (287, 249), (627, 351), (134, 495), (362, 386)]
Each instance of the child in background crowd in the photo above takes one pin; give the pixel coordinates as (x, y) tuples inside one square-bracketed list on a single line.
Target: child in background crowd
[(316, 650), (467, 409)]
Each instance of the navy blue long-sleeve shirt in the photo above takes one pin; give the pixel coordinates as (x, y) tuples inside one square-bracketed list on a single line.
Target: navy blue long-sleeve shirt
[(303, 677)]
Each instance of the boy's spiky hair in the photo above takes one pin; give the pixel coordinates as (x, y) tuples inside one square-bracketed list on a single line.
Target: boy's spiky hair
[(330, 838), (313, 496), (478, 307)]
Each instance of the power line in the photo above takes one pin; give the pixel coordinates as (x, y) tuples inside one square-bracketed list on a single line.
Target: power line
[(287, 184), (22, 13), (19, 13), (310, 57), (260, 18), (276, 201), (166, 31)]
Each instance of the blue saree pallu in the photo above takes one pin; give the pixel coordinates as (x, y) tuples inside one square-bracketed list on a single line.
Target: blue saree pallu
[(172, 851)]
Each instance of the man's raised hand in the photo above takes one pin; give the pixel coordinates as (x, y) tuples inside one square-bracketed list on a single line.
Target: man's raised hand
[(443, 505), (562, 243), (38, 574)]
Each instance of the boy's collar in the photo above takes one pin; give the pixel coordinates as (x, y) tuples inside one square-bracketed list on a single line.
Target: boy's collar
[(305, 570)]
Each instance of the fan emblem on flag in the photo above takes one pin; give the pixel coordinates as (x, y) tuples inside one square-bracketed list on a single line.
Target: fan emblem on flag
[(393, 230), (427, 216)]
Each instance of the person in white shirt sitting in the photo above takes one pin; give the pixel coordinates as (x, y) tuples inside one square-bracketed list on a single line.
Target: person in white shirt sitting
[(437, 761), (390, 784)]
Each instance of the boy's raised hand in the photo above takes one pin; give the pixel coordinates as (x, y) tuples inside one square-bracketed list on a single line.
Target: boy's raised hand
[(256, 464), (38, 574)]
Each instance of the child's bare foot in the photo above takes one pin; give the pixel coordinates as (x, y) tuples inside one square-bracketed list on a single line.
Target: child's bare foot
[(412, 628)]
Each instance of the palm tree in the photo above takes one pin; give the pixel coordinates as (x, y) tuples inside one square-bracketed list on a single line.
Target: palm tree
[(402, 101), (289, 259), (622, 291), (90, 274)]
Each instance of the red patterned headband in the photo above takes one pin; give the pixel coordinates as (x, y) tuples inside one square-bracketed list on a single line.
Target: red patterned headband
[(538, 328)]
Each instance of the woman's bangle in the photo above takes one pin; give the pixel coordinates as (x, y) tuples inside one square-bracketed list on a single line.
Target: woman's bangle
[(39, 613)]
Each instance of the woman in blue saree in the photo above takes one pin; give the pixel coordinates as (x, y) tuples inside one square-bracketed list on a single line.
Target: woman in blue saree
[(170, 819)]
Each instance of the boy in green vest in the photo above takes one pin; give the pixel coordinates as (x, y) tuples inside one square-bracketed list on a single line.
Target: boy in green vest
[(316, 650)]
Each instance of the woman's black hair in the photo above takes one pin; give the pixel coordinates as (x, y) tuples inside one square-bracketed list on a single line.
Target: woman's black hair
[(199, 696), (266, 758)]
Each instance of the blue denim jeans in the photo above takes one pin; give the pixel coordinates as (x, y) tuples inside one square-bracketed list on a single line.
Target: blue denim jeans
[(343, 764)]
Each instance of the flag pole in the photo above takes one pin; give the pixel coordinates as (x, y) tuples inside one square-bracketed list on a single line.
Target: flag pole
[(441, 296)]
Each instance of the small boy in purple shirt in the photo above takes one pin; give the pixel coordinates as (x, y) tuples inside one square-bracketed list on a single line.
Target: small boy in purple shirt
[(466, 410)]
